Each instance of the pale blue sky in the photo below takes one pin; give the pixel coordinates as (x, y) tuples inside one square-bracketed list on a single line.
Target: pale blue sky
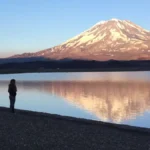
[(32, 25)]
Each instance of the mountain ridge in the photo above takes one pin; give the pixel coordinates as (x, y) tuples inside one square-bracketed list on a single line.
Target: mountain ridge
[(113, 39)]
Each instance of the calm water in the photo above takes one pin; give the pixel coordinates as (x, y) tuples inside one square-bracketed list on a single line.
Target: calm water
[(118, 97)]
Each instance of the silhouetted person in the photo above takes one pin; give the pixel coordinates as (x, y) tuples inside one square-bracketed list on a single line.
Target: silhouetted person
[(12, 90)]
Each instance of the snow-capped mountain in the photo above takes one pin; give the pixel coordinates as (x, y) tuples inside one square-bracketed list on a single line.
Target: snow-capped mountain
[(113, 39)]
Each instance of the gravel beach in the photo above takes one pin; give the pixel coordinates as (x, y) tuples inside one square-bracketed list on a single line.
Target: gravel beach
[(26, 130)]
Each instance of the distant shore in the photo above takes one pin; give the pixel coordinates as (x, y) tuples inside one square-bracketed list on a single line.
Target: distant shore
[(33, 130), (74, 66), (15, 71)]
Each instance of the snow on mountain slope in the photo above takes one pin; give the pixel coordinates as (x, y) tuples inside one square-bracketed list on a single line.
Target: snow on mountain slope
[(111, 31), (113, 39)]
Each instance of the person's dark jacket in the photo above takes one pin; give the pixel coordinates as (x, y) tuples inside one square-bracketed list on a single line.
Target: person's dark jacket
[(12, 90)]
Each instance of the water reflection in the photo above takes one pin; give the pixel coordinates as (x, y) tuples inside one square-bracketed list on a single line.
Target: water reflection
[(108, 101)]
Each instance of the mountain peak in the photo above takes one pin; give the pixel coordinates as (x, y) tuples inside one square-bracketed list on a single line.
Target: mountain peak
[(105, 21), (114, 19)]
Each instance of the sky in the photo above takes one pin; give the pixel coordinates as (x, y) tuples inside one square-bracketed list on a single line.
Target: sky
[(33, 25)]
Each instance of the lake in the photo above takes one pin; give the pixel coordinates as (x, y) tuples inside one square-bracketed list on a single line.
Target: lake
[(117, 97)]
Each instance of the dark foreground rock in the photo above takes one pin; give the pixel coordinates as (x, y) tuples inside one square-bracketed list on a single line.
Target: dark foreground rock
[(27, 130)]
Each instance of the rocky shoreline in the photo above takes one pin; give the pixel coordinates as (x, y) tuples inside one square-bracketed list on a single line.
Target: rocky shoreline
[(35, 130)]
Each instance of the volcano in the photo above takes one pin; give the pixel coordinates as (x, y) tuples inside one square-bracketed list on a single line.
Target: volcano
[(113, 39)]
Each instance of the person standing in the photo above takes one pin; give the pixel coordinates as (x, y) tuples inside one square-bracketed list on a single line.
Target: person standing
[(12, 90)]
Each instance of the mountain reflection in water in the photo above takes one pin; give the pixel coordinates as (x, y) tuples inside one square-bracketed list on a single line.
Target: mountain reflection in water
[(109, 101)]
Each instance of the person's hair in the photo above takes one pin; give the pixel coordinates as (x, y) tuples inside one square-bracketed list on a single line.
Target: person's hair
[(12, 81)]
